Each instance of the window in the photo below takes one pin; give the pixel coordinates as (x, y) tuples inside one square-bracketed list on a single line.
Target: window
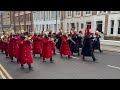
[(82, 25), (68, 14), (22, 18), (77, 27), (16, 19), (88, 24), (28, 18), (87, 12), (36, 27), (112, 26), (52, 14), (67, 26), (40, 27), (100, 12), (118, 26), (59, 14), (104, 11), (49, 15), (77, 12)]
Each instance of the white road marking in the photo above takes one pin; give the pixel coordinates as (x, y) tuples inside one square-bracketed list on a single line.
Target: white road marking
[(107, 65), (113, 66)]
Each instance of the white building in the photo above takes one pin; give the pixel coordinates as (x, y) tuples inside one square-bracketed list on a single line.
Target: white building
[(113, 28), (44, 20), (107, 22)]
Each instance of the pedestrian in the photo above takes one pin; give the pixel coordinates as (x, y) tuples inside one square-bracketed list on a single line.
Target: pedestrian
[(24, 55), (2, 44), (37, 45), (87, 46), (59, 40), (47, 51), (52, 43), (6, 45), (96, 43), (64, 48), (74, 46), (13, 47)]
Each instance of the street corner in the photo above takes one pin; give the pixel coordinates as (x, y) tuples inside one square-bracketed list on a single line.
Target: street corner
[(4, 74)]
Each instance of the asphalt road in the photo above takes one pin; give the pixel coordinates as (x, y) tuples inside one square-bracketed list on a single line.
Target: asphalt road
[(107, 67)]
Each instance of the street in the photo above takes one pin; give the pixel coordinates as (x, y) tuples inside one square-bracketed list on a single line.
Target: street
[(107, 67)]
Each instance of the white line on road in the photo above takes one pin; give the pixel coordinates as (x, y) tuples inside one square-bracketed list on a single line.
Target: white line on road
[(113, 67)]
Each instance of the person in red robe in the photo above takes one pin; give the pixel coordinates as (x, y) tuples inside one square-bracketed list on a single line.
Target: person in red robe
[(2, 45), (65, 49), (47, 51), (0, 42), (24, 55), (52, 43), (6, 45), (37, 45), (13, 47)]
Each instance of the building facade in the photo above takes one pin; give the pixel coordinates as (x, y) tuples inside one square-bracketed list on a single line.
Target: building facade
[(5, 20), (46, 20), (23, 20), (107, 22)]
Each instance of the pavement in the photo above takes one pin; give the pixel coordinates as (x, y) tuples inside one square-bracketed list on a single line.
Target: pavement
[(110, 48), (107, 67)]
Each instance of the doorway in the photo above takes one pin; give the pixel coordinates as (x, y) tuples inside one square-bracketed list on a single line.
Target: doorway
[(99, 26), (88, 24), (72, 26)]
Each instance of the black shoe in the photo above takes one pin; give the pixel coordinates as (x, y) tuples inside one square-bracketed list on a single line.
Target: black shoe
[(52, 61), (94, 59), (30, 67), (22, 67), (61, 56), (69, 56), (44, 60), (17, 61), (83, 58)]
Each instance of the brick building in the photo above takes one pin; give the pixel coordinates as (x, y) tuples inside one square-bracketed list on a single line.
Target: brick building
[(23, 20)]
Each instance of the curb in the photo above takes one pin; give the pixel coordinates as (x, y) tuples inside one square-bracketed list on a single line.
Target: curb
[(111, 51)]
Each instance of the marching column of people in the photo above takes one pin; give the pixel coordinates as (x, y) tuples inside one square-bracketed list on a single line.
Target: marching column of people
[(44, 44)]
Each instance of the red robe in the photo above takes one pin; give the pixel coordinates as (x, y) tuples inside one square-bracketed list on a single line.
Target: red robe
[(2, 46), (47, 50), (37, 46), (65, 49), (0, 43), (13, 48), (52, 45), (24, 55), (6, 46)]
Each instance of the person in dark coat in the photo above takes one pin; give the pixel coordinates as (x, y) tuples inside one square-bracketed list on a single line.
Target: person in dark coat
[(87, 46), (80, 39), (96, 43), (59, 40), (74, 46)]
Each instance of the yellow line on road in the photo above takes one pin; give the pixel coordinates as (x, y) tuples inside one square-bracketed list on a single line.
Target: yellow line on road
[(1, 74), (5, 72)]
